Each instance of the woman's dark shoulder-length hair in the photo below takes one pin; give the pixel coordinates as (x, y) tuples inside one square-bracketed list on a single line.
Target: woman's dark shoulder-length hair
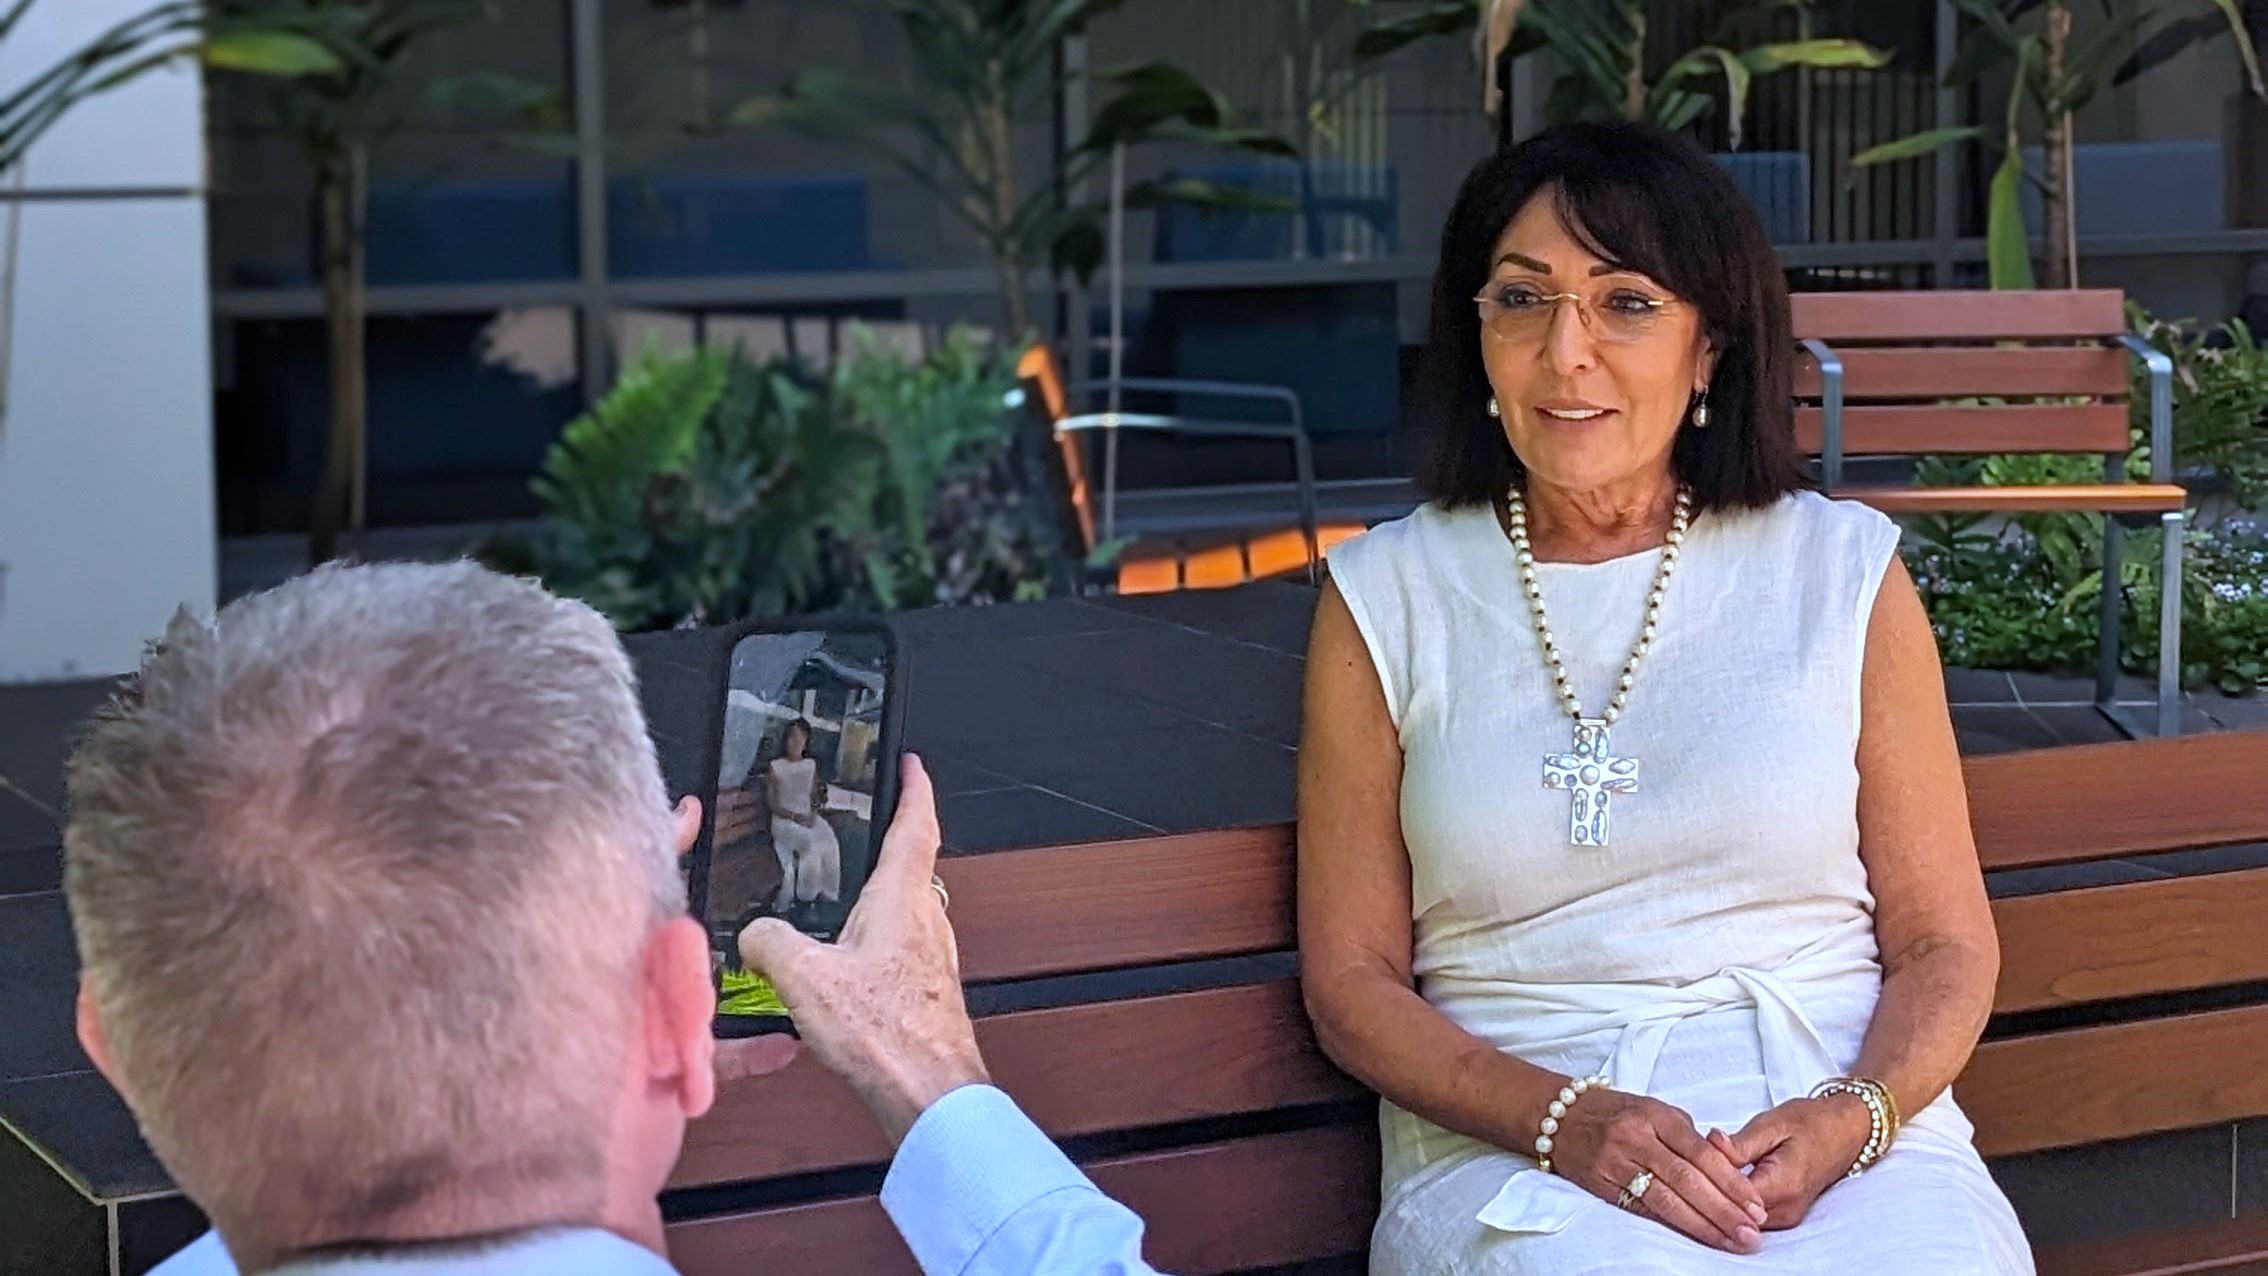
[(1646, 200)]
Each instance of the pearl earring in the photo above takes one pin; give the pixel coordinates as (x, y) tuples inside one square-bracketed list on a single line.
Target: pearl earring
[(1493, 410), (1701, 412)]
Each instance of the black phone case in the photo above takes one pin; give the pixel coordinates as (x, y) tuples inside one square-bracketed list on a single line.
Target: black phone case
[(711, 650)]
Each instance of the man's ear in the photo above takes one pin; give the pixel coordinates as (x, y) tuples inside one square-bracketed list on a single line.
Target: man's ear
[(680, 1007), (91, 1040)]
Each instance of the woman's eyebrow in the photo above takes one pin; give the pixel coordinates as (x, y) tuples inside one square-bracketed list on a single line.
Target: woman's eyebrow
[(1526, 262)]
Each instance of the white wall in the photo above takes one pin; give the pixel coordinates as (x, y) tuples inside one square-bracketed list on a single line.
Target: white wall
[(106, 482)]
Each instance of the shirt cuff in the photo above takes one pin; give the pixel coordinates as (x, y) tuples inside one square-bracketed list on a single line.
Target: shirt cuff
[(970, 1163)]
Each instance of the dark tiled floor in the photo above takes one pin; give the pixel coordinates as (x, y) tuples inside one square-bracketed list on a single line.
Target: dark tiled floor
[(2061, 877), (2252, 1166), (50, 1226), (2000, 728), (22, 824), (79, 1116), (32, 868), (2106, 1189), (1006, 815), (37, 722), (38, 980)]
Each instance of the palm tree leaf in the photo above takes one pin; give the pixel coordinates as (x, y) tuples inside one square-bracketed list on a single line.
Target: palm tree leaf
[(1147, 97), (1764, 59), (2008, 253), (1390, 35), (1916, 145), (2165, 44), (2245, 52), (2082, 75), (1988, 15), (1979, 51), (1708, 60), (1598, 68), (268, 53)]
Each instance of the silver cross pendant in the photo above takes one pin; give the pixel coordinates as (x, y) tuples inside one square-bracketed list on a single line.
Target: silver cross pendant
[(1589, 775)]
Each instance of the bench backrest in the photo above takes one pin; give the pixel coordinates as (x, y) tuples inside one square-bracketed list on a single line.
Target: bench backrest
[(1905, 354), (1212, 1112)]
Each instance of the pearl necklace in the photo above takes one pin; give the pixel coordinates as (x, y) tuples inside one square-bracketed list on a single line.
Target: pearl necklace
[(1592, 773)]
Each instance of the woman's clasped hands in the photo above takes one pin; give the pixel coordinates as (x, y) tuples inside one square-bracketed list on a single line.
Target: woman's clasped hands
[(1606, 1142)]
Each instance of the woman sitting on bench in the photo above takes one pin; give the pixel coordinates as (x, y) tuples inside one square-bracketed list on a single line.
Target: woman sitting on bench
[(1635, 869)]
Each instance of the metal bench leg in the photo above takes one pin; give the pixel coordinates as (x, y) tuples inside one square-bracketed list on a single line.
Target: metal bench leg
[(2169, 628), (2106, 651)]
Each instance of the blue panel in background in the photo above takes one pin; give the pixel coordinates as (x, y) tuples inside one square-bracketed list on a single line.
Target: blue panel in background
[(1343, 212), (1338, 346), (2171, 187), (462, 232), (1779, 184), (666, 226), (680, 225)]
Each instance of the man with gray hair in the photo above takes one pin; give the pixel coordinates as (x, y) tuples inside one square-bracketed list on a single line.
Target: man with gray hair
[(383, 940)]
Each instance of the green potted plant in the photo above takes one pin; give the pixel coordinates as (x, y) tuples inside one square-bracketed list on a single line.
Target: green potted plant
[(2054, 68), (706, 487)]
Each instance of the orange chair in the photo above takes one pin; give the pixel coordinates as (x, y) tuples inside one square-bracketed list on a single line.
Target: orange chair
[(1164, 563)]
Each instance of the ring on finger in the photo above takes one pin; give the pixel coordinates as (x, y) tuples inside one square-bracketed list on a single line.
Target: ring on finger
[(944, 897), (1636, 1190)]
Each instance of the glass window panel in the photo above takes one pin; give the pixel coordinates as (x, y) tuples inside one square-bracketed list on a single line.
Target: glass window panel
[(691, 195), (462, 407), (454, 197)]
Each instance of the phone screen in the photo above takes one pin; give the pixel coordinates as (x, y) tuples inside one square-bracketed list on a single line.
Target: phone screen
[(803, 785)]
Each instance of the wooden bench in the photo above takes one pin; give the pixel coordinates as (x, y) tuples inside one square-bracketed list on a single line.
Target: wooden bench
[(1161, 564), (1899, 373), (1210, 1110)]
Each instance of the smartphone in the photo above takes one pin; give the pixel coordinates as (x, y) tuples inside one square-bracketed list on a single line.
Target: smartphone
[(806, 781)]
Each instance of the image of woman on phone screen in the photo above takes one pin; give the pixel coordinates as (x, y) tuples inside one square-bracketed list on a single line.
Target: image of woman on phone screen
[(811, 859)]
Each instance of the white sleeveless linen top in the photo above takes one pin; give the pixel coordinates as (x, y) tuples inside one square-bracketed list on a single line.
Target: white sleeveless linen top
[(1728, 920)]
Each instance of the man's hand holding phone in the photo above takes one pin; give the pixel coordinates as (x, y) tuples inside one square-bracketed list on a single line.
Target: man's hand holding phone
[(881, 1007)]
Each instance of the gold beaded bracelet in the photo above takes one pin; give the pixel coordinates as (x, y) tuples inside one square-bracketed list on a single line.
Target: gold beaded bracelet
[(1568, 1094), (1881, 1114)]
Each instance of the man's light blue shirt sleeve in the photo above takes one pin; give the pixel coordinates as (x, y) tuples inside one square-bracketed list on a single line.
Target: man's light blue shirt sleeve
[(978, 1190)]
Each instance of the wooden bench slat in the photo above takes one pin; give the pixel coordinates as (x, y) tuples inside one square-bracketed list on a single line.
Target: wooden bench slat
[(1259, 1202), (1955, 372), (2089, 1085), (1056, 910), (2038, 315), (1923, 429), (2227, 1246), (1077, 1070), (2095, 498), (2103, 801), (2103, 942)]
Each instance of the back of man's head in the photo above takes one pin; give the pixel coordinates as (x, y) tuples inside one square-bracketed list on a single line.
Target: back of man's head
[(361, 873)]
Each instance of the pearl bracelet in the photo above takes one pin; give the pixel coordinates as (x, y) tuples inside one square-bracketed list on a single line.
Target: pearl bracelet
[(1881, 1115), (1568, 1093)]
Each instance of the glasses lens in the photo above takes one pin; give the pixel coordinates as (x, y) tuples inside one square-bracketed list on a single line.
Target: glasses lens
[(1523, 312), (1624, 314), (1516, 312)]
